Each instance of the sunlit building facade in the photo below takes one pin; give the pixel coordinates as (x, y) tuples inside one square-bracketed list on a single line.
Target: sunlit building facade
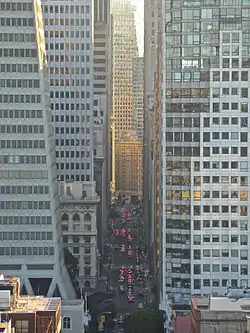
[(30, 233), (129, 166), (137, 101), (124, 51), (205, 129)]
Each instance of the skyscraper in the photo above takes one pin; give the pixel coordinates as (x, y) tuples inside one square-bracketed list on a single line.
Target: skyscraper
[(68, 29), (29, 203), (137, 101), (205, 125), (102, 107), (124, 51), (151, 137)]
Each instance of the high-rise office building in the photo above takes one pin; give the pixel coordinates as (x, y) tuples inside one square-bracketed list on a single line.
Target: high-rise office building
[(129, 165), (152, 142), (102, 108), (137, 101), (31, 239), (205, 133), (69, 41), (124, 51)]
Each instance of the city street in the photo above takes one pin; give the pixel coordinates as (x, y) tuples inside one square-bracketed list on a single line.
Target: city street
[(117, 261)]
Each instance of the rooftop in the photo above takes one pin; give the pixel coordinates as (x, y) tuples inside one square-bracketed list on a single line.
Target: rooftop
[(34, 304), (222, 304), (182, 324), (7, 280), (228, 304)]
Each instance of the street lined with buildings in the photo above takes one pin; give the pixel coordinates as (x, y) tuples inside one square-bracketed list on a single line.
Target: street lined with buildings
[(126, 251), (88, 127)]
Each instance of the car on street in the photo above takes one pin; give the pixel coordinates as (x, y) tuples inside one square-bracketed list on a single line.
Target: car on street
[(122, 288), (131, 298), (130, 253), (139, 278), (123, 249), (130, 270), (121, 279), (130, 279), (123, 269), (123, 232), (129, 238)]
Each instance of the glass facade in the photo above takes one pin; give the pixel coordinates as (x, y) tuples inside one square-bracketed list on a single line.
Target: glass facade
[(207, 67)]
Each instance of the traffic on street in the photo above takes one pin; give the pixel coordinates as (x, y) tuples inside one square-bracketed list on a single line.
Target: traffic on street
[(128, 274)]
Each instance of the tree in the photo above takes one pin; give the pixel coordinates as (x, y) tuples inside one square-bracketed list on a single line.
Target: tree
[(147, 320)]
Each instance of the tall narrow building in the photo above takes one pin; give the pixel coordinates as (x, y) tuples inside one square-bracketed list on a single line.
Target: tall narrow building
[(31, 240), (102, 89), (137, 101), (152, 142), (205, 139), (124, 51), (69, 41)]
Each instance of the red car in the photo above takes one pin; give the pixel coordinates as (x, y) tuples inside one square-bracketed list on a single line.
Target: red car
[(123, 232), (130, 239), (130, 270), (130, 253), (123, 249), (131, 298), (130, 278)]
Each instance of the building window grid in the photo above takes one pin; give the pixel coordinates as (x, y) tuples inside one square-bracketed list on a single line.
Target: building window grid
[(224, 253)]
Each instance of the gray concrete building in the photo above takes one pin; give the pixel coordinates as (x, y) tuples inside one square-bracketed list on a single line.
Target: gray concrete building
[(102, 108)]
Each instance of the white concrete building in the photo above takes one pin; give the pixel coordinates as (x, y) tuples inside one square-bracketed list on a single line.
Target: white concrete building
[(31, 239), (72, 312), (69, 40), (138, 95), (79, 203)]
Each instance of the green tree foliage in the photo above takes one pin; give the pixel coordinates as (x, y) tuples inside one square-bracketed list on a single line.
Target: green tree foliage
[(147, 320)]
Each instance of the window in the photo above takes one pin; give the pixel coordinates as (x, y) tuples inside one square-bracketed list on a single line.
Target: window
[(244, 76), (235, 76), (225, 63), (225, 76), (76, 217), (22, 326), (67, 323), (244, 92)]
